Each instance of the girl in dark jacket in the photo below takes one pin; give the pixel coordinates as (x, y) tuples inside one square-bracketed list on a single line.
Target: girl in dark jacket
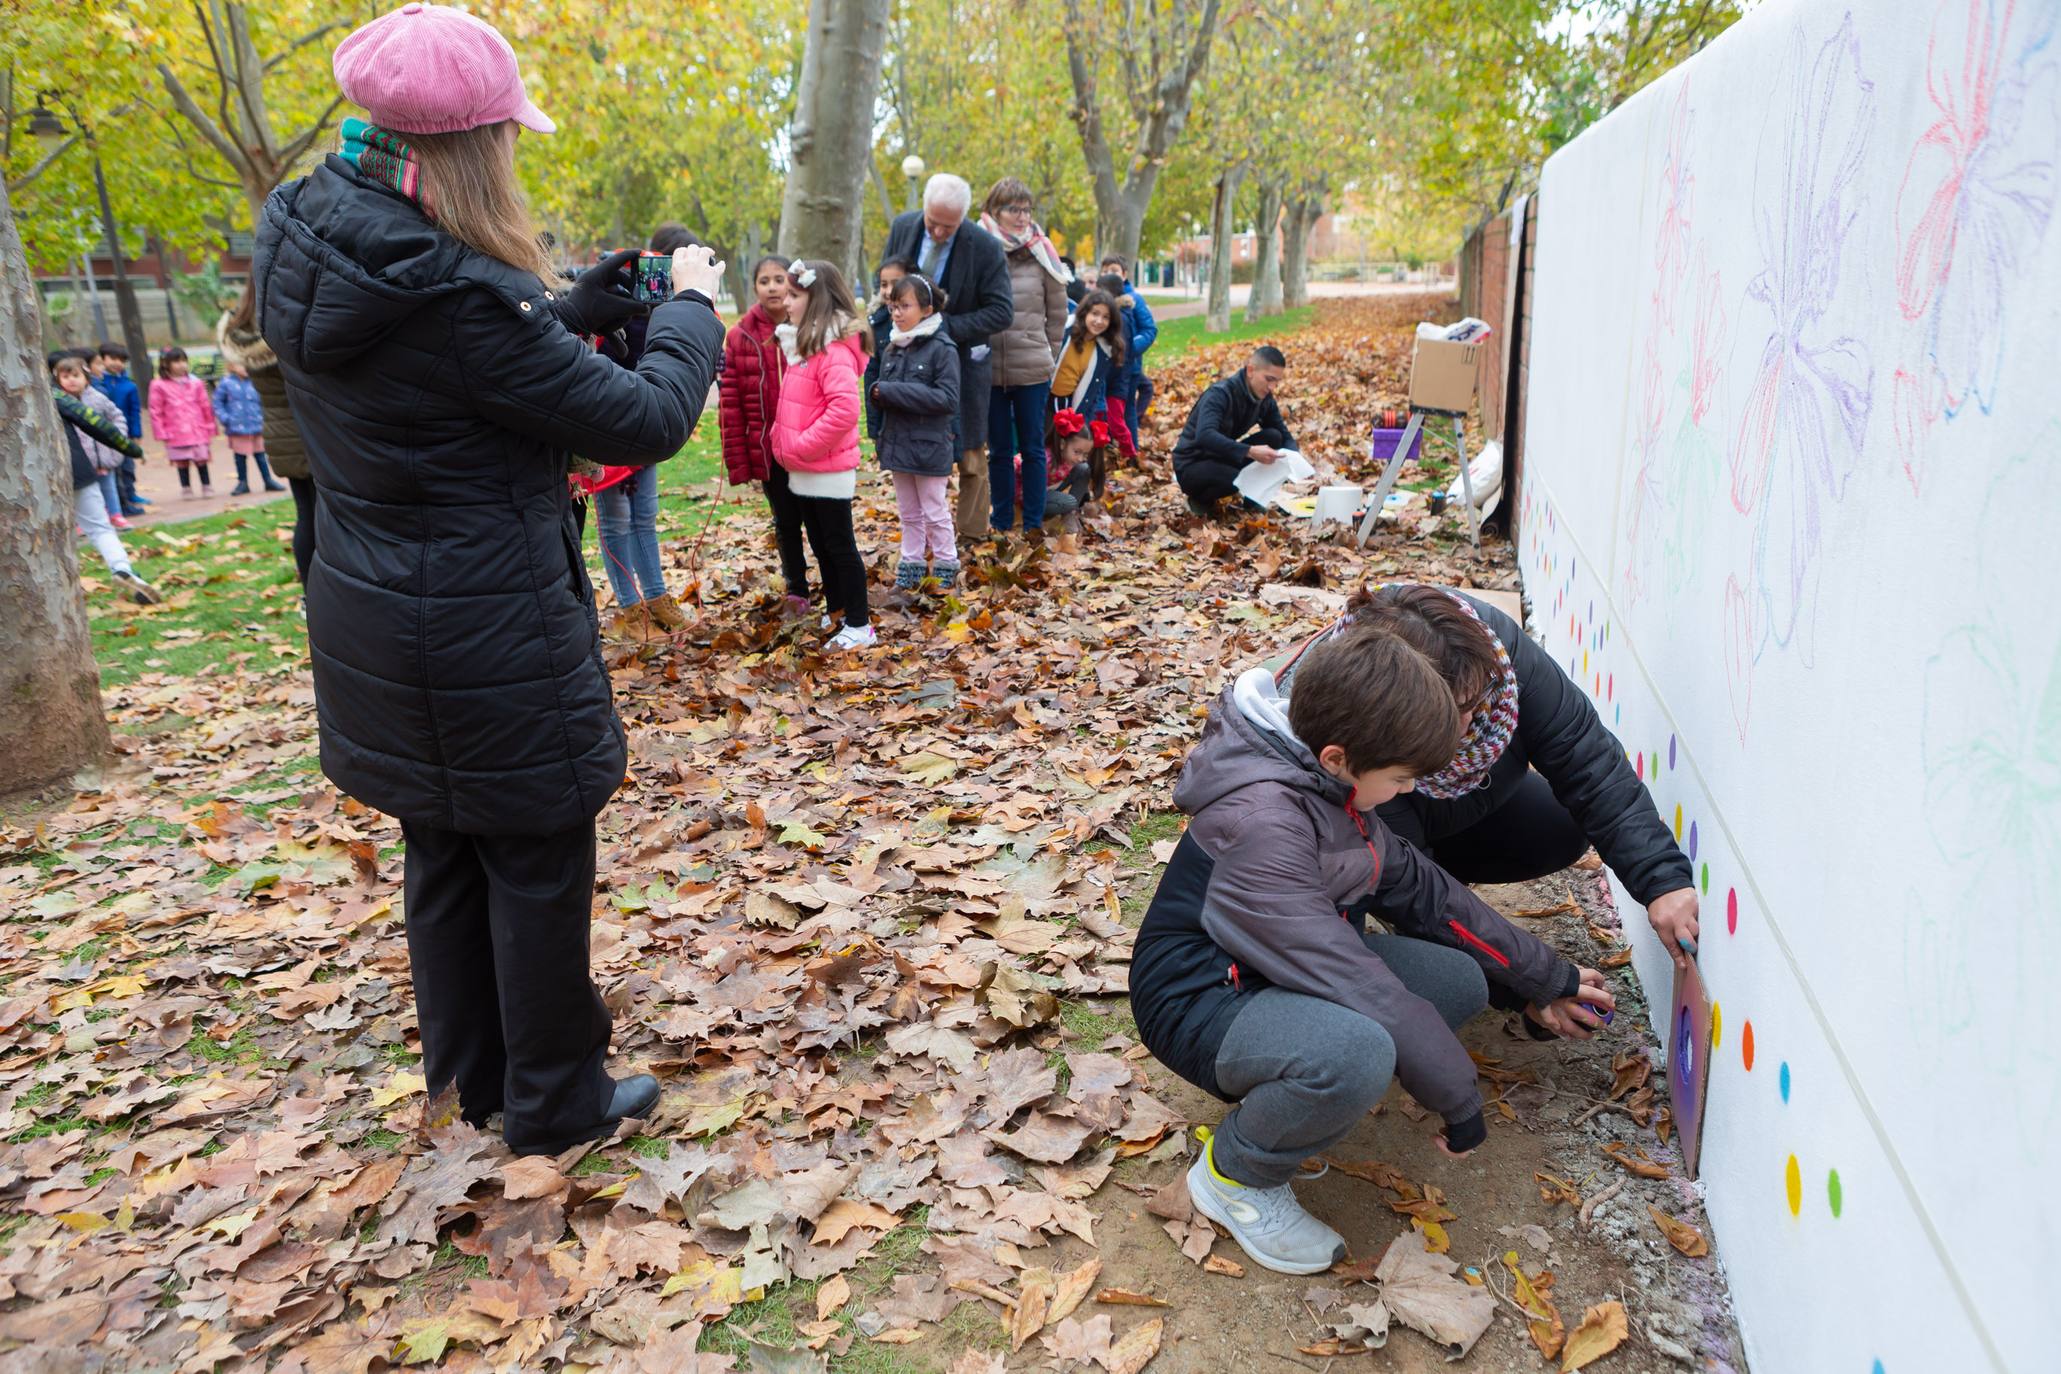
[(918, 396), (437, 371), (752, 368), (1538, 778)]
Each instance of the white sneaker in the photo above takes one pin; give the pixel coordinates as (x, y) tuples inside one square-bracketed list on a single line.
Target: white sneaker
[(140, 592), (1268, 1223), (854, 637)]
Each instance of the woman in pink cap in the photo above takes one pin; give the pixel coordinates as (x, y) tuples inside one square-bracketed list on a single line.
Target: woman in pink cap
[(436, 367)]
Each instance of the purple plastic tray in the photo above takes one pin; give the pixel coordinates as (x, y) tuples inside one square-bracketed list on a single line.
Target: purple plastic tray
[(1385, 441)]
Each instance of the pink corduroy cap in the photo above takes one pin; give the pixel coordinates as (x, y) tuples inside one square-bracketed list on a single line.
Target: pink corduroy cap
[(431, 69)]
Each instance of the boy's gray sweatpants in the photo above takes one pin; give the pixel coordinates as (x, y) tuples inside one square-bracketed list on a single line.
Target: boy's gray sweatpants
[(1305, 1070)]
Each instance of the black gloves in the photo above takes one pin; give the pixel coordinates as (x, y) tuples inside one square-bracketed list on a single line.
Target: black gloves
[(600, 300)]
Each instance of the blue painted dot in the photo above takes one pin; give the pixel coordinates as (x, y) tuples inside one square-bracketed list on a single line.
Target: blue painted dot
[(1785, 1080), (1671, 751), (1620, 713), (1875, 1368), (1692, 839)]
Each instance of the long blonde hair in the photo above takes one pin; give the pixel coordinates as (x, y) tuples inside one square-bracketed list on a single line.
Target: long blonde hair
[(469, 189)]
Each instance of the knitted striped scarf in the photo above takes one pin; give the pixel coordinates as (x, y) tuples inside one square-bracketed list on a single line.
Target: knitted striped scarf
[(382, 155)]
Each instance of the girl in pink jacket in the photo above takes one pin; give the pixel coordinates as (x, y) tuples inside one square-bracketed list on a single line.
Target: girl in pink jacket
[(816, 433), (182, 416)]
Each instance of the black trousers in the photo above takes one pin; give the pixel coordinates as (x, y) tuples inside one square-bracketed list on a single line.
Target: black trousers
[(787, 531), (1528, 835), (497, 944), (829, 524), (1211, 479), (303, 524)]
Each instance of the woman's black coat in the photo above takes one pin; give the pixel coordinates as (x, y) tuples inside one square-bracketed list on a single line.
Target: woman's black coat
[(456, 652)]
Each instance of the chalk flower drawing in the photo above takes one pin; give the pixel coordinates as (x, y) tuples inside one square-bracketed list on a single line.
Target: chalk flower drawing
[(1978, 190), (1801, 429), (1677, 198), (1695, 467), (1977, 195), (1990, 748)]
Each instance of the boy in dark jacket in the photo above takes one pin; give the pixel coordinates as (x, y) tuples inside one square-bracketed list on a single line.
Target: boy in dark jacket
[(118, 386), (1249, 978), (917, 396), (1235, 422)]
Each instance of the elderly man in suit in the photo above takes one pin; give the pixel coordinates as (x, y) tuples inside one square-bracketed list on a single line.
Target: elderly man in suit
[(963, 258)]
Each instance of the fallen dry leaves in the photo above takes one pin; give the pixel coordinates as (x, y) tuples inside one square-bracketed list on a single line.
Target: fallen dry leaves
[(842, 901), (1603, 1329), (1680, 1234)]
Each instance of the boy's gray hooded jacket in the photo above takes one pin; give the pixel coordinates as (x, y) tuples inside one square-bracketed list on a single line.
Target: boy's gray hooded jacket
[(1257, 895)]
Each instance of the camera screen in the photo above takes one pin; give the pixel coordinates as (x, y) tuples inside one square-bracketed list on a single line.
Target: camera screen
[(655, 277)]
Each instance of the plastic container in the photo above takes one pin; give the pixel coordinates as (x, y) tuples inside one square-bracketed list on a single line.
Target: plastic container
[(1336, 505), (1385, 441)]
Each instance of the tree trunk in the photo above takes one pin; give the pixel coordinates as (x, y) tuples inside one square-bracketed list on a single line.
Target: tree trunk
[(1266, 263), (125, 294), (1163, 91), (1221, 223), (830, 139), (1303, 215), (50, 712)]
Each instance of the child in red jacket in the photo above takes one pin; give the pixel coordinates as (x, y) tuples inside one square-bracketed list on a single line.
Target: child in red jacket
[(816, 433), (749, 392)]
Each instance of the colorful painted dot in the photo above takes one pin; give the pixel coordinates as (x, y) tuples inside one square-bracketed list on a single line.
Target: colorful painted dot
[(1785, 1080), (1792, 1178), (1639, 765), (1610, 687), (1620, 714), (1732, 910), (1585, 663), (1746, 1046), (1671, 751), (1717, 1025), (1678, 822), (1833, 1192), (1706, 867), (1876, 1368), (1692, 848)]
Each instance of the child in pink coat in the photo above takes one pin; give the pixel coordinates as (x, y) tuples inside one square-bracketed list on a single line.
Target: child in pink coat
[(182, 416), (816, 433)]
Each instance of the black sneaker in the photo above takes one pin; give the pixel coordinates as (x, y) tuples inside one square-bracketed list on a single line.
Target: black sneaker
[(240, 489), (1201, 509)]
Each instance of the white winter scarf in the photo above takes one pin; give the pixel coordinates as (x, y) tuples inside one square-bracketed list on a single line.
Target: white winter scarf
[(925, 327)]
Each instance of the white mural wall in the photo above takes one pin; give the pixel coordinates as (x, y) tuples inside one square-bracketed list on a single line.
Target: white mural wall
[(1792, 515)]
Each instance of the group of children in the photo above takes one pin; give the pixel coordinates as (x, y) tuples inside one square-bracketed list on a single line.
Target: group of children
[(805, 365), (185, 418)]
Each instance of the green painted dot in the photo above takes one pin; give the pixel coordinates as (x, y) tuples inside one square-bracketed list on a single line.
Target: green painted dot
[(1833, 1193), (1706, 880)]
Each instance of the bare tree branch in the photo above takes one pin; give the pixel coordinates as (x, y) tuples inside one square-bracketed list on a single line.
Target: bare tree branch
[(306, 139), (303, 41), (198, 118)]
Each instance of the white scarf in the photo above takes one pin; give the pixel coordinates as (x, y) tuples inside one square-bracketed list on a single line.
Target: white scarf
[(925, 327)]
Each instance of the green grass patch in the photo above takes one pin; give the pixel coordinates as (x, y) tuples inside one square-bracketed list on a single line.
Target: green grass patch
[(1093, 1020), (383, 1139), (232, 602), (1153, 828), (1178, 336)]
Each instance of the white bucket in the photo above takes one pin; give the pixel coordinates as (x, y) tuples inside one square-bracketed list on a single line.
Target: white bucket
[(1336, 505)]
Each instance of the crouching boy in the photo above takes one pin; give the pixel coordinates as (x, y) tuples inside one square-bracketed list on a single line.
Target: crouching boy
[(1250, 978)]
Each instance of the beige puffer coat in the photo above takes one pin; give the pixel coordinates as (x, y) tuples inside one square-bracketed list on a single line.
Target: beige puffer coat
[(1026, 351)]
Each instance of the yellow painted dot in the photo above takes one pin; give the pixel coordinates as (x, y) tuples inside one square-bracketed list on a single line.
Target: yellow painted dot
[(1795, 1184), (1717, 1025), (1585, 662), (1678, 822)]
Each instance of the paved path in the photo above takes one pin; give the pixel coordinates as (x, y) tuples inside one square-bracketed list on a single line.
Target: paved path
[(156, 479), (1318, 290)]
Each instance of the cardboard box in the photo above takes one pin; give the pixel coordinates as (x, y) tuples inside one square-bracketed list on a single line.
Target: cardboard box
[(1442, 374)]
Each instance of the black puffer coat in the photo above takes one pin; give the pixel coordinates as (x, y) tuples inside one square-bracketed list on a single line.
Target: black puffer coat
[(456, 654)]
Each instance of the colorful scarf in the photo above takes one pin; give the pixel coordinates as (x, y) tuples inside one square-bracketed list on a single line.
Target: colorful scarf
[(1488, 734), (382, 155), (1040, 247)]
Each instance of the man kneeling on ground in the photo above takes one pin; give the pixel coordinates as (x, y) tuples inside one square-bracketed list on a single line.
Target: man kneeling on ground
[(1235, 422), (1253, 977)]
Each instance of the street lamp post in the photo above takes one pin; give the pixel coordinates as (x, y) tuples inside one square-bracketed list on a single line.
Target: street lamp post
[(912, 168)]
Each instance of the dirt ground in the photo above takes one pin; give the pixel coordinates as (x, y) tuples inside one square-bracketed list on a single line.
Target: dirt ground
[(1680, 1315)]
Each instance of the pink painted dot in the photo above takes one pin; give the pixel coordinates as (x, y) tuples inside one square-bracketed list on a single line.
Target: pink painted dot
[(1639, 765), (1732, 911), (1610, 688)]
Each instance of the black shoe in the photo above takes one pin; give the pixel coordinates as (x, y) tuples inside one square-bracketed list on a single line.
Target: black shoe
[(274, 486), (131, 512), (634, 1096), (1201, 509), (240, 489), (1249, 504)]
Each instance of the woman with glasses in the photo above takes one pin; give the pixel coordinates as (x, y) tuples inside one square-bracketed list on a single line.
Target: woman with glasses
[(1024, 356)]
